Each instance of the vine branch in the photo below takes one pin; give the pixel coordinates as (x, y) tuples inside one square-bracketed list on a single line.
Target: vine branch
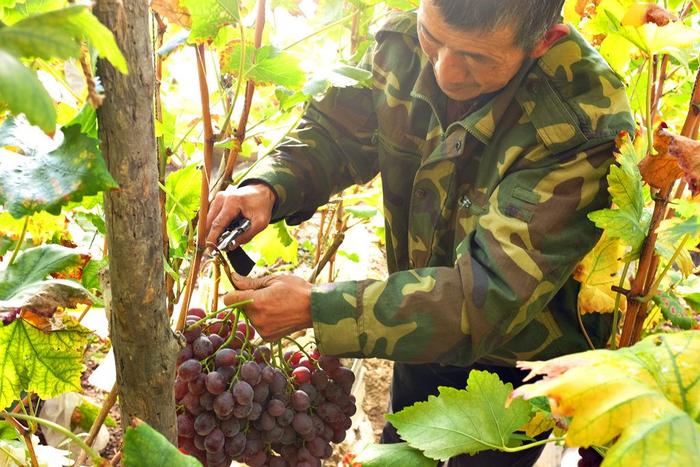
[(648, 262), (204, 190)]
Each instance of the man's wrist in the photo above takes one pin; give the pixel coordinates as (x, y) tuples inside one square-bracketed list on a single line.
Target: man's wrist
[(264, 187)]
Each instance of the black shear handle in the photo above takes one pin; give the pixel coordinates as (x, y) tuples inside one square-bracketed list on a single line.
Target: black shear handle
[(238, 258)]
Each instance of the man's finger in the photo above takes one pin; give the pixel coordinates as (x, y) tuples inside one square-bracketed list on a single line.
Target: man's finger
[(237, 296), (226, 214), (249, 283)]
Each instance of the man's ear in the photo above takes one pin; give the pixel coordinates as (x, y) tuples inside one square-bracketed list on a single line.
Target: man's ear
[(550, 38)]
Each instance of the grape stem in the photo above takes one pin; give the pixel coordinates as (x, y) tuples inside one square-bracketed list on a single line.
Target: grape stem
[(213, 314), (20, 241), (301, 347), (94, 455)]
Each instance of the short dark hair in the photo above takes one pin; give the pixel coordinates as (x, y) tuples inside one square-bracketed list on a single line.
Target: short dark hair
[(530, 18)]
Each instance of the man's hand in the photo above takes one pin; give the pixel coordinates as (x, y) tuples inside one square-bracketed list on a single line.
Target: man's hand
[(254, 202), (281, 304)]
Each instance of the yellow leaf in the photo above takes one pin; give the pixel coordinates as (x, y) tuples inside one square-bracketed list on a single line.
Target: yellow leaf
[(538, 424), (643, 399), (642, 13), (42, 226), (597, 273)]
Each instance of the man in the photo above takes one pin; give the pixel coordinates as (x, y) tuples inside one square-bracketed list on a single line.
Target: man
[(492, 126)]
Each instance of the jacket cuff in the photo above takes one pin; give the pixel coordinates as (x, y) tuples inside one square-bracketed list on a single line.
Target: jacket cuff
[(283, 183), (335, 316)]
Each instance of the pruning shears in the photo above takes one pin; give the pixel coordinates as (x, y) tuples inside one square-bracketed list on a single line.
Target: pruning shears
[(227, 240), (227, 243)]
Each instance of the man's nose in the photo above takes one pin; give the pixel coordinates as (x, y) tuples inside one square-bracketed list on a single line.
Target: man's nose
[(448, 67)]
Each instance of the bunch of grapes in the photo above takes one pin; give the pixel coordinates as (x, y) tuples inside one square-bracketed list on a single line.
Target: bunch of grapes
[(237, 402), (589, 458)]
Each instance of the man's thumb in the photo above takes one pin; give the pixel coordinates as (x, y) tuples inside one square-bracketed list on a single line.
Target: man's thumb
[(249, 283), (238, 296)]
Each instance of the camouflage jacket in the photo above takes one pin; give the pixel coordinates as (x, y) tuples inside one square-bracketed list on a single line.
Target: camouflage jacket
[(485, 218)]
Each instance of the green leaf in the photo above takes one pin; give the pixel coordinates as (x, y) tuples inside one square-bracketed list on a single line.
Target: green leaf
[(642, 401), (340, 76), (362, 212), (91, 274), (402, 4), (29, 39), (87, 119), (182, 189), (628, 220), (7, 431), (463, 421), (283, 234), (58, 34), (266, 65), (86, 414), (622, 224), (389, 455), (145, 447), (673, 230), (274, 66), (44, 298), (24, 94), (27, 8), (274, 243), (674, 311), (89, 221), (354, 257), (48, 363), (33, 265), (689, 289), (208, 16), (42, 181), (8, 4)]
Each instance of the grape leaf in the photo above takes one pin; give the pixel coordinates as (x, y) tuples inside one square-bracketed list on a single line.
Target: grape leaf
[(42, 299), (145, 447), (33, 265), (58, 34), (41, 226), (627, 220), (265, 65), (674, 311), (643, 399), (362, 212), (85, 413), (340, 76), (463, 421), (182, 201), (274, 243), (43, 181), (48, 363), (385, 455), (673, 230), (24, 94), (597, 273), (208, 16), (27, 8)]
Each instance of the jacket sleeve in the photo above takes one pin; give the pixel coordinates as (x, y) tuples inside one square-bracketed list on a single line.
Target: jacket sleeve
[(336, 151), (519, 255)]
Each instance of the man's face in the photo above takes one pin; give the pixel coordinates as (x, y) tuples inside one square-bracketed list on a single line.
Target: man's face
[(467, 64)]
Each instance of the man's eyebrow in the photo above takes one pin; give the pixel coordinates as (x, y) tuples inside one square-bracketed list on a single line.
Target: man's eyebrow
[(427, 33), (461, 52)]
